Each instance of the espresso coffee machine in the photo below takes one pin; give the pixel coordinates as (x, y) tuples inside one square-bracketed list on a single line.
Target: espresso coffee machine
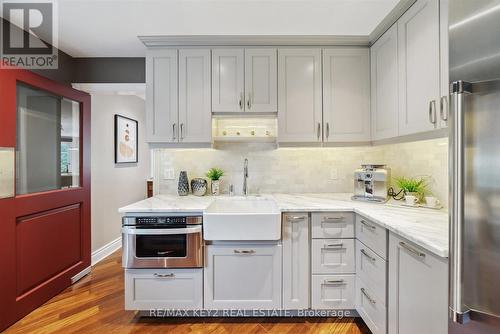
[(371, 183)]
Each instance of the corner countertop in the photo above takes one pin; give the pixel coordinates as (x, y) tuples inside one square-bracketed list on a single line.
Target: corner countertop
[(425, 227)]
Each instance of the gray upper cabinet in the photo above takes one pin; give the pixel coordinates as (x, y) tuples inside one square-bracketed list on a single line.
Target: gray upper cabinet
[(444, 102), (384, 85), (346, 94), (195, 117), (228, 80), (419, 68), (299, 95), (161, 96), (244, 80), (261, 80), (178, 106)]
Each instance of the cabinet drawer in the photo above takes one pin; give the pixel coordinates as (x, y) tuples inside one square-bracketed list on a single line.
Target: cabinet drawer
[(371, 269), (333, 225), (372, 235), (333, 256), (147, 289), (333, 292), (370, 308)]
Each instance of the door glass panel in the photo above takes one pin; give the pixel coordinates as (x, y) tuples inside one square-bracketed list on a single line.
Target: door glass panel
[(48, 141)]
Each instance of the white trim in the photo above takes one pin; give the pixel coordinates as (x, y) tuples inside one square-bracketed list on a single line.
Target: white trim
[(250, 40), (137, 89), (80, 275), (106, 250)]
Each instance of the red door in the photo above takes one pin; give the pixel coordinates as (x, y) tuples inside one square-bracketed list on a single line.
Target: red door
[(45, 207)]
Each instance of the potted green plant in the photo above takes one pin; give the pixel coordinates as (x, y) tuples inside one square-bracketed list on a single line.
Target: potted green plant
[(214, 174), (414, 188)]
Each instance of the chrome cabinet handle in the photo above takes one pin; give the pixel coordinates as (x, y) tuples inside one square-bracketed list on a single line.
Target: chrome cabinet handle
[(250, 251), (171, 275), (249, 104), (332, 219), (182, 131), (459, 90), (371, 227), (432, 112), (295, 219), (173, 132), (412, 250), (443, 108), (368, 255), (241, 101), (327, 130), (319, 130), (334, 246), (333, 281), (370, 299)]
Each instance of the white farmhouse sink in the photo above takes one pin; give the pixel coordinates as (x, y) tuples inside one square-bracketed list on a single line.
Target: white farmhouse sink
[(242, 218)]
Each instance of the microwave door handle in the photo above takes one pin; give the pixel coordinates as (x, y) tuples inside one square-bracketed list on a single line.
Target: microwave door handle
[(160, 231), (459, 89)]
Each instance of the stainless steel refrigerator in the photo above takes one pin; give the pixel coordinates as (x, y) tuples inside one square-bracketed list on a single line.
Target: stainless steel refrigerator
[(474, 123)]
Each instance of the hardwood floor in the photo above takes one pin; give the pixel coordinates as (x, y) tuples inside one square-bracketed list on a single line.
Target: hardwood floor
[(95, 305)]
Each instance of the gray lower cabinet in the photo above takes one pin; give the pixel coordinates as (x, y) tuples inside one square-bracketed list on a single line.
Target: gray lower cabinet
[(418, 289), (147, 289), (333, 266), (243, 276), (296, 274)]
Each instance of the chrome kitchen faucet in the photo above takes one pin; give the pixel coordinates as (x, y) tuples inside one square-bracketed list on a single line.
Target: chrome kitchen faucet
[(245, 177)]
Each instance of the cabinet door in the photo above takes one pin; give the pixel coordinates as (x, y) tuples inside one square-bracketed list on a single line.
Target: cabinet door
[(418, 40), (161, 96), (195, 116), (227, 80), (384, 85), (299, 95), (244, 276), (261, 80), (418, 290), (296, 261), (346, 94), (444, 103)]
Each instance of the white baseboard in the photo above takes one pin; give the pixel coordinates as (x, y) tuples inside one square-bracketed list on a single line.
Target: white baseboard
[(106, 250)]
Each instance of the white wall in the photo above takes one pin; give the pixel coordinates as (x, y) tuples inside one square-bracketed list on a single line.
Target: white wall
[(113, 185), (307, 169)]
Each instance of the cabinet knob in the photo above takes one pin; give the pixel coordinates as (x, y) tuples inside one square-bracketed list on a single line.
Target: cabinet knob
[(173, 132), (319, 130)]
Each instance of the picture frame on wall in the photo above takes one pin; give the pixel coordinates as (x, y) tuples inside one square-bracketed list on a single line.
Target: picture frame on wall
[(126, 140)]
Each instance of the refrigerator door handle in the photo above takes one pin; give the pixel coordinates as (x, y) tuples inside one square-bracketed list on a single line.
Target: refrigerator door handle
[(459, 313)]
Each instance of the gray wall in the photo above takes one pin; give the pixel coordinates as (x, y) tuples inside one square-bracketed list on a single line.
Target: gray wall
[(109, 70), (114, 185), (95, 70)]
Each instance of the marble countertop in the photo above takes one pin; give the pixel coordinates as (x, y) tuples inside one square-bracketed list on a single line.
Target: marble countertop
[(425, 227)]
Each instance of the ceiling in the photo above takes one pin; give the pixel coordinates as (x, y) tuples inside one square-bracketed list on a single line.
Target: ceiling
[(109, 28)]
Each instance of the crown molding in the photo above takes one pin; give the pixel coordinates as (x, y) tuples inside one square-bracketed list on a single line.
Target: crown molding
[(390, 19), (251, 40)]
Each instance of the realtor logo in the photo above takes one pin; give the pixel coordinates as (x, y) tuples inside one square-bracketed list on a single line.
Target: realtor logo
[(29, 34)]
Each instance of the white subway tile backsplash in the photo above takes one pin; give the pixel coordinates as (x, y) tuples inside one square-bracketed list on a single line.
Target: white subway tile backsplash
[(306, 169)]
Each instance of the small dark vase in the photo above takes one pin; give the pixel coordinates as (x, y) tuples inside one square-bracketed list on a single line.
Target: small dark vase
[(183, 185)]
